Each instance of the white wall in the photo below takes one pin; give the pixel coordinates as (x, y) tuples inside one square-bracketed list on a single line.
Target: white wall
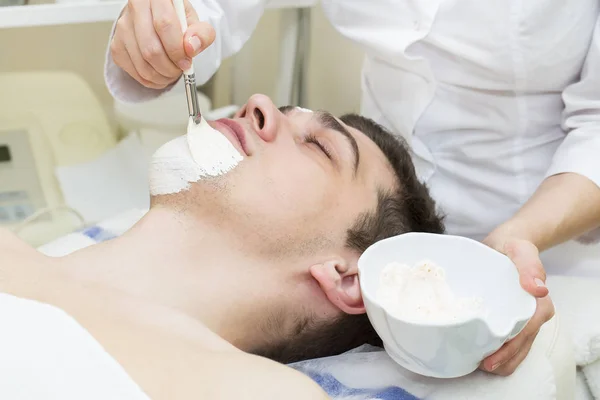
[(78, 48), (333, 74), (333, 70)]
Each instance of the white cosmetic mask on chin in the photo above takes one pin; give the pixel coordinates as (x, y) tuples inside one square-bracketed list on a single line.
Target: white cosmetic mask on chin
[(204, 152)]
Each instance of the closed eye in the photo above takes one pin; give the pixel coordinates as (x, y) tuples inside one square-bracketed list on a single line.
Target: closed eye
[(312, 139)]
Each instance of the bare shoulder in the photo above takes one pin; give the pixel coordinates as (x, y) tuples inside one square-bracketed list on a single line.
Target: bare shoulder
[(13, 247), (21, 265), (267, 379), (229, 375), (11, 243)]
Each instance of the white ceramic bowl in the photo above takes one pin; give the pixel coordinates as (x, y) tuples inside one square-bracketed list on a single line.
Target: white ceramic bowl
[(447, 350)]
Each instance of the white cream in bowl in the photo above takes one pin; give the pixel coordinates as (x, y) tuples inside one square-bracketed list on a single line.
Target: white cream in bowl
[(421, 294)]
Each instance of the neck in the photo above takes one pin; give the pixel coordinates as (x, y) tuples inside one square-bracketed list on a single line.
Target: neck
[(175, 260)]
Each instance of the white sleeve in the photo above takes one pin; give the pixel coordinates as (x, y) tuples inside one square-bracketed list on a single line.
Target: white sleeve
[(233, 20), (580, 151)]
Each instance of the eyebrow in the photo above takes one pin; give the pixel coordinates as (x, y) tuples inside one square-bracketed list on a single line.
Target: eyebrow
[(328, 121), (286, 109)]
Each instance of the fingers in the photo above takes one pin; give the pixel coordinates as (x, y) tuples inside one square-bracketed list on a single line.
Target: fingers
[(545, 306), (507, 352), (526, 257), (168, 29), (149, 43), (126, 51), (120, 54), (510, 366), (190, 13), (199, 35), (122, 60), (507, 359), (143, 67), (150, 46)]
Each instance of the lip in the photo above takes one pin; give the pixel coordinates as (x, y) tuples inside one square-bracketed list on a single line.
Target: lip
[(236, 132)]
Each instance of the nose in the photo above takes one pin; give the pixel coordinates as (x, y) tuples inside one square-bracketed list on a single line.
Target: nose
[(264, 117)]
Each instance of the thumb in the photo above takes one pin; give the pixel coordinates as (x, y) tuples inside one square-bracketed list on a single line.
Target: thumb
[(526, 258), (199, 35)]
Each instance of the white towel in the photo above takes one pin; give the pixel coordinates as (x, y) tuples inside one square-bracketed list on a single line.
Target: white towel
[(578, 302), (46, 354), (368, 373), (582, 390), (592, 378)]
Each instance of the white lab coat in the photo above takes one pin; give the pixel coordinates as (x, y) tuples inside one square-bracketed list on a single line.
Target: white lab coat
[(493, 96)]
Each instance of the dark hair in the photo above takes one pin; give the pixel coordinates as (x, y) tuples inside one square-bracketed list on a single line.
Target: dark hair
[(407, 207)]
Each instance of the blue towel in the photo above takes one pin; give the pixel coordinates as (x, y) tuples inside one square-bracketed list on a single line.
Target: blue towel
[(337, 390), (98, 234), (364, 373)]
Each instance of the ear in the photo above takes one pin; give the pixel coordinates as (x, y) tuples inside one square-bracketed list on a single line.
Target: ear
[(339, 281)]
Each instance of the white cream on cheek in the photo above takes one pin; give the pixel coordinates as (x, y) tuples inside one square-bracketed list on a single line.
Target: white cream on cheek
[(203, 152), (212, 151)]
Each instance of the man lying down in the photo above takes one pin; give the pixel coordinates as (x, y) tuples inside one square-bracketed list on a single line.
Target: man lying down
[(261, 261)]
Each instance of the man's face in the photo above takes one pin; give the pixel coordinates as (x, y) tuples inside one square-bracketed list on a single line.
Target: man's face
[(304, 180)]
